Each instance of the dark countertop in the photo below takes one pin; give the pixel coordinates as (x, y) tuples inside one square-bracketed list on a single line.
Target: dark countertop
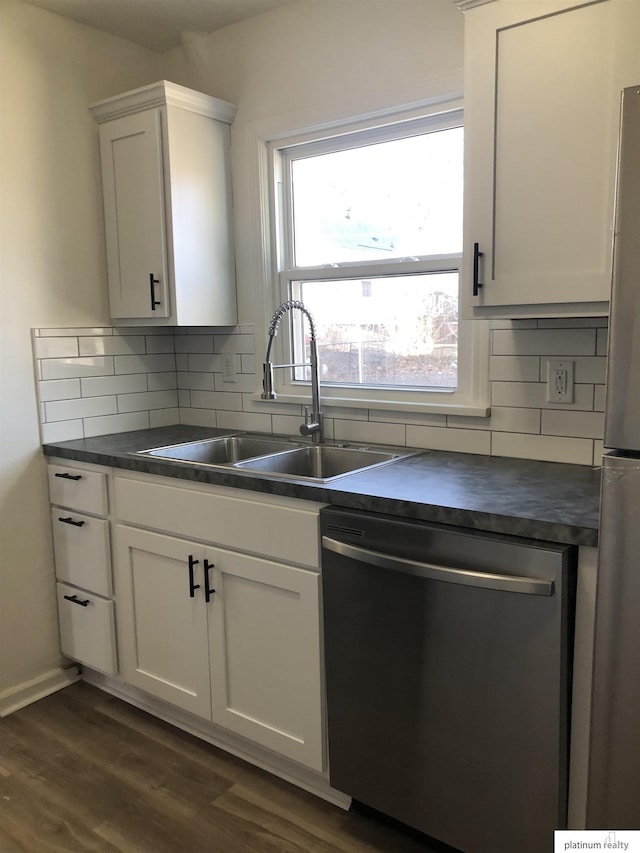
[(520, 497)]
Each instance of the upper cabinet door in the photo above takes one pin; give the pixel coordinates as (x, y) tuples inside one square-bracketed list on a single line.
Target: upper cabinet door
[(542, 98), (132, 169), (166, 177)]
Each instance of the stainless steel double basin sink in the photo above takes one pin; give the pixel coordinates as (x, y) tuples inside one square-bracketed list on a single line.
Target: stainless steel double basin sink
[(278, 457)]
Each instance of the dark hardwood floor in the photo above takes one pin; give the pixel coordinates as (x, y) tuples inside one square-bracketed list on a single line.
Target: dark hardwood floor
[(83, 771)]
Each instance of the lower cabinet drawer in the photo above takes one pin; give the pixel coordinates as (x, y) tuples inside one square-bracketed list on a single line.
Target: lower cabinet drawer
[(78, 488), (82, 550), (87, 628)]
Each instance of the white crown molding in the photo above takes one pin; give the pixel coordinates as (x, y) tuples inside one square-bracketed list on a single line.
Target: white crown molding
[(464, 5), (158, 95)]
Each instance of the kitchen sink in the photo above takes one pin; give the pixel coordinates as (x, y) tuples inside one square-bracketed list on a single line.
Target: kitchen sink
[(219, 451), (320, 463), (277, 457)]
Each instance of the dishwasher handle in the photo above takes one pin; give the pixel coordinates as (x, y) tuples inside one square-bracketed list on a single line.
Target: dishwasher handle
[(430, 571)]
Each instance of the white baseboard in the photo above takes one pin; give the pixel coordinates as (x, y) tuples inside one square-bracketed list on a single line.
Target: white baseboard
[(24, 694), (296, 774)]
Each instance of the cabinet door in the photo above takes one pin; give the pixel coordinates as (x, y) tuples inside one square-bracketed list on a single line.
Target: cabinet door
[(134, 200), (162, 618), (542, 99), (265, 654)]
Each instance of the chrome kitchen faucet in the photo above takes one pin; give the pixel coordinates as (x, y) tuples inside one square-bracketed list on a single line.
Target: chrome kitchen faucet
[(312, 425)]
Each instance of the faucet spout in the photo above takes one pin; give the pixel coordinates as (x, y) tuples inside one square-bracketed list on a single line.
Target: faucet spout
[(313, 422)]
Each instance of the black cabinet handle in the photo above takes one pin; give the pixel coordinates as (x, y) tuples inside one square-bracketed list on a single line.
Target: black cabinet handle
[(477, 254), (208, 591), (192, 586), (69, 520), (152, 287), (75, 600), (69, 476)]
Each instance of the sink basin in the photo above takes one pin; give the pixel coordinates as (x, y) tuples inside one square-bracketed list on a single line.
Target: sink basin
[(219, 451), (320, 463)]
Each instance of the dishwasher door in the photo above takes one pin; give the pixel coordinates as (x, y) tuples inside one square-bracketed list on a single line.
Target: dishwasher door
[(447, 658)]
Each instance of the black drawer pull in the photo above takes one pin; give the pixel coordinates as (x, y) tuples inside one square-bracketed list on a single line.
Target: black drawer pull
[(152, 287), (75, 600), (477, 254), (208, 591), (192, 586), (69, 520), (69, 476)]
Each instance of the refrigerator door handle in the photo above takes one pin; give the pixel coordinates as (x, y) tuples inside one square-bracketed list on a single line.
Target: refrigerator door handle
[(447, 574)]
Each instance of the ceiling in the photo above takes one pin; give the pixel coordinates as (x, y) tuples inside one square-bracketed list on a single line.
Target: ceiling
[(158, 24)]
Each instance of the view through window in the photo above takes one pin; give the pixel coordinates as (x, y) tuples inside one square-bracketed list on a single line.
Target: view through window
[(372, 229)]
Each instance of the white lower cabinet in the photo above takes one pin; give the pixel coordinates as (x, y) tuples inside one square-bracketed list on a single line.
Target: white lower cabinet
[(231, 637), (264, 636), (162, 627)]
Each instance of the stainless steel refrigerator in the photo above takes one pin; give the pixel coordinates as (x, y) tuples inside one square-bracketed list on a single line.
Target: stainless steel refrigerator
[(613, 796)]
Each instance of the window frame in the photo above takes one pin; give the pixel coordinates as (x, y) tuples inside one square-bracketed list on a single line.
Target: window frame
[(471, 395)]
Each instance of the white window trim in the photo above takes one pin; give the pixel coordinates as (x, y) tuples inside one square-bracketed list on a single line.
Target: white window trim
[(471, 398)]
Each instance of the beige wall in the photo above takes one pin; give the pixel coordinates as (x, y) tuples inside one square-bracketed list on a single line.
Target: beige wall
[(52, 273)]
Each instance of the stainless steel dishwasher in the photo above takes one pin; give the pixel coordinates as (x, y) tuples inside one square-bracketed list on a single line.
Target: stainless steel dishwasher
[(448, 655)]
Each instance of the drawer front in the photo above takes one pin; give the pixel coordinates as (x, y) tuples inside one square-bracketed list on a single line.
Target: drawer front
[(82, 550), (87, 628), (287, 533), (78, 488)]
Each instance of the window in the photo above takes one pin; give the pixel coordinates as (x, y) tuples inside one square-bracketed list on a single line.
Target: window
[(369, 238)]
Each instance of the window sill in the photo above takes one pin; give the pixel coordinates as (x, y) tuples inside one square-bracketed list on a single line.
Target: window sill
[(462, 409)]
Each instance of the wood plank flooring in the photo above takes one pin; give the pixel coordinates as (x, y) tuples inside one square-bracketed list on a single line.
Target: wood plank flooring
[(84, 771)]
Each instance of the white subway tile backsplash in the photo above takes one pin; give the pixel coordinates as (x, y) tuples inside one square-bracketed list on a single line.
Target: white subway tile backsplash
[(59, 389), (565, 342), (159, 343), (73, 333), (116, 423), (578, 451), (194, 343), (98, 386), (235, 343), (244, 421), (164, 417), (602, 342), (144, 363), (456, 440), (147, 401), (56, 347), (369, 432), (112, 345), (505, 368), (62, 431), (248, 363), (501, 419), (86, 407), (199, 417), (589, 369), (162, 381), (72, 368), (159, 376), (203, 363), (577, 424), (216, 400), (534, 395)]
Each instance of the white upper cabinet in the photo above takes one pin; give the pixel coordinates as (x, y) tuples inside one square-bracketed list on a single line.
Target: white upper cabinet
[(167, 200), (542, 99)]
